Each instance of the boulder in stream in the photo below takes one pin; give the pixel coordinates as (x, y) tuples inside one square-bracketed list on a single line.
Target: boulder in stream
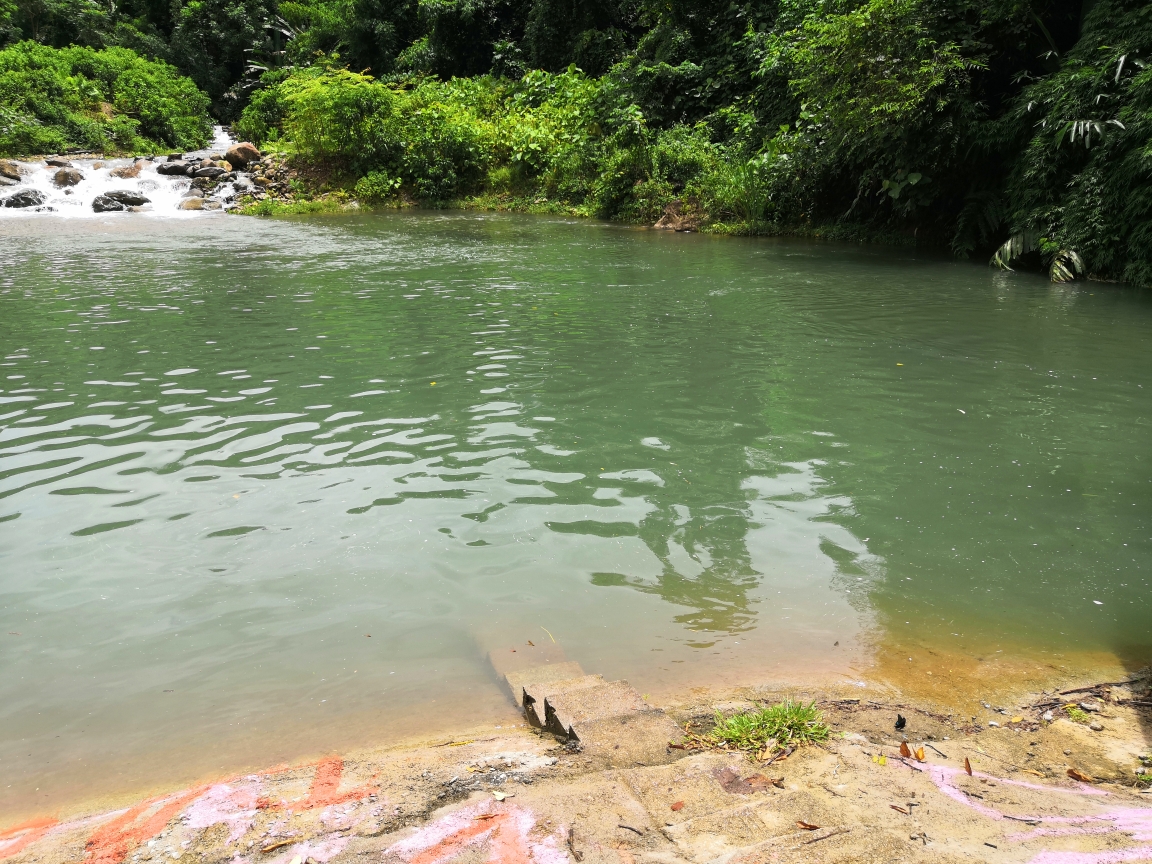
[(67, 177), (57, 162), (178, 168), (210, 172), (239, 155), (9, 170), (111, 202), (25, 198), (127, 172), (191, 204)]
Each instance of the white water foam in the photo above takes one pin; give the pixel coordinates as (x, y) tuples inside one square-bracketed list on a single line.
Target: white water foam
[(164, 193)]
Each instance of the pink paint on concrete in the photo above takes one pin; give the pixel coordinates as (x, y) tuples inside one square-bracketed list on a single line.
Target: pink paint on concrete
[(506, 830), (230, 804), (1142, 853)]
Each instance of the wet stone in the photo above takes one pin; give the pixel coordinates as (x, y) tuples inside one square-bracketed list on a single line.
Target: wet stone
[(25, 198)]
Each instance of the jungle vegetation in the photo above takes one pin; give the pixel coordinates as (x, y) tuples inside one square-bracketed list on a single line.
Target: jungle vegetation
[(1017, 129)]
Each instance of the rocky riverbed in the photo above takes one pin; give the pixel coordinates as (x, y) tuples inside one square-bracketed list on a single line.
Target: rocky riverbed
[(87, 184)]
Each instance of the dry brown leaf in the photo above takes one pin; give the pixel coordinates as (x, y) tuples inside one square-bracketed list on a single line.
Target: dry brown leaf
[(679, 805), (899, 809), (1079, 775), (485, 816), (919, 754), (967, 766), (530, 642), (807, 826), (904, 751)]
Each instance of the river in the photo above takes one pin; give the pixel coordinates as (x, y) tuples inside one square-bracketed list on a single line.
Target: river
[(270, 488)]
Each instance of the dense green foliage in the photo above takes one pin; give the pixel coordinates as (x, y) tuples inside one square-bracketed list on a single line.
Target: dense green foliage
[(952, 122), (111, 100)]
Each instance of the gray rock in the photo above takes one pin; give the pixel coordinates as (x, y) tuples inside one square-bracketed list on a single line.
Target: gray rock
[(175, 157), (124, 196), (9, 170), (191, 204), (210, 172), (177, 168), (112, 202), (25, 198), (4, 181), (67, 177), (57, 162), (104, 204)]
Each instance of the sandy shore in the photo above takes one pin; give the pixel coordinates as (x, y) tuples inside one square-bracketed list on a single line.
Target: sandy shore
[(1044, 791)]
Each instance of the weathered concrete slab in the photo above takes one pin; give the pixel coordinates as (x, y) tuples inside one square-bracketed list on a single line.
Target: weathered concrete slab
[(531, 680), (536, 695), (567, 711)]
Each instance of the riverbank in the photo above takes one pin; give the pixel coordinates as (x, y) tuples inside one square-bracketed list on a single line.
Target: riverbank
[(1039, 784)]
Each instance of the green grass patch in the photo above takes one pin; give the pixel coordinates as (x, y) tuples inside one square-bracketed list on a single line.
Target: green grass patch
[(1077, 715), (269, 207), (789, 724)]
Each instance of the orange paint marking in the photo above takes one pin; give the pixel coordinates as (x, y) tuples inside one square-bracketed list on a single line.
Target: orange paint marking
[(456, 843), (111, 842), (506, 845), (325, 789), (16, 838)]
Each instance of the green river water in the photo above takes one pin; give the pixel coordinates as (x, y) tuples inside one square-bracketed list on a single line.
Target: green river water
[(273, 488)]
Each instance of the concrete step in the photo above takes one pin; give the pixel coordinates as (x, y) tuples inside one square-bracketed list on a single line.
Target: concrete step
[(567, 712), (527, 682), (537, 694)]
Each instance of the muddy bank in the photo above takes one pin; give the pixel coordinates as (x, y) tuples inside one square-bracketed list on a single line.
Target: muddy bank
[(1042, 788)]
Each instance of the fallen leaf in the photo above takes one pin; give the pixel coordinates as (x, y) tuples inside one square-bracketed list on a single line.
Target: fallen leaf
[(967, 766), (1079, 775), (485, 816), (919, 754), (807, 826), (530, 642), (904, 751), (679, 805), (1030, 771), (1016, 720), (899, 809)]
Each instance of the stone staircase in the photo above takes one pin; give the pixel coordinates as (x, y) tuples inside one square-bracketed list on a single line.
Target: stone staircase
[(610, 720)]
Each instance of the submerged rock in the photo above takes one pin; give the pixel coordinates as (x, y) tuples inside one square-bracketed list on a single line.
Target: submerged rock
[(67, 177), (239, 155), (9, 170), (25, 198)]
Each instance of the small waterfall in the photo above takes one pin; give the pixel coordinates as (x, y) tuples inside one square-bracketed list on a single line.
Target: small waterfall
[(97, 177)]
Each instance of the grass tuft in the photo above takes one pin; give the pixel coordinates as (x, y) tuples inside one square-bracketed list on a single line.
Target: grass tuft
[(789, 724), (1077, 715)]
